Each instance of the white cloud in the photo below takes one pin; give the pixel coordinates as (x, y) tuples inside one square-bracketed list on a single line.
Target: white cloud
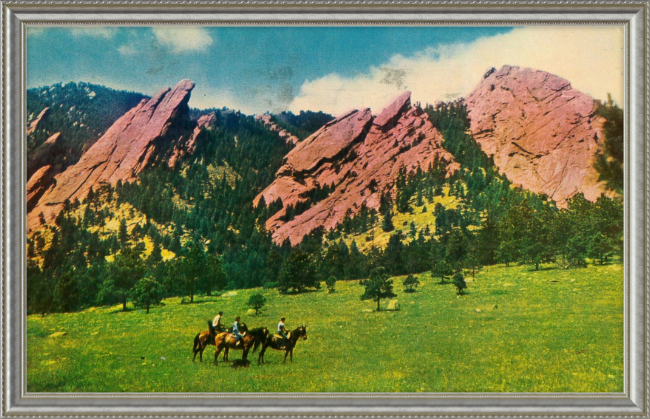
[(179, 40), (591, 58), (128, 49), (94, 32)]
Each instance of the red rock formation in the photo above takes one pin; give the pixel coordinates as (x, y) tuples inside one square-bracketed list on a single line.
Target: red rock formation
[(122, 152), (266, 120), (542, 133), (32, 126), (358, 156), (204, 122), (38, 183), (45, 154)]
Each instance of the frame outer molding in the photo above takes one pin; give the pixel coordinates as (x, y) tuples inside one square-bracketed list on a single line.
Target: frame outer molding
[(633, 402)]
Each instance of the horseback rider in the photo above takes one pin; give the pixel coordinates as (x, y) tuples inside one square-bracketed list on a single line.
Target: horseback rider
[(282, 331), (235, 331), (216, 323)]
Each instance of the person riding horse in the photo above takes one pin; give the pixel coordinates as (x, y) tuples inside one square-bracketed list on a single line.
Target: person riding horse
[(235, 331), (282, 331), (216, 323)]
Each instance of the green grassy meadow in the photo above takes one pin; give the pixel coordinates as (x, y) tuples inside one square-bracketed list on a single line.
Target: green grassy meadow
[(516, 330)]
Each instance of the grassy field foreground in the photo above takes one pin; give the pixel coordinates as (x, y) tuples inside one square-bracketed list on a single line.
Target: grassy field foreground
[(516, 330)]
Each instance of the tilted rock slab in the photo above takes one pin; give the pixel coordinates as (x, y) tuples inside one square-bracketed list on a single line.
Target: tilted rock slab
[(121, 153), (33, 126), (266, 120), (542, 133), (360, 156)]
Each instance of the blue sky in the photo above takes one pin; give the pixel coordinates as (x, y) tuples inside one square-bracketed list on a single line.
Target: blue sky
[(259, 69)]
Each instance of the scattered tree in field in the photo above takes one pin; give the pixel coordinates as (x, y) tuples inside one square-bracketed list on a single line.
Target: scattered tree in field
[(125, 271), (410, 283), (256, 302), (576, 252), (297, 273), (331, 284), (147, 292), (190, 268), (378, 286), (459, 281), (441, 269)]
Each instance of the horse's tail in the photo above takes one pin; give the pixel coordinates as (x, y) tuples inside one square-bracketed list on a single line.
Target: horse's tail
[(196, 342)]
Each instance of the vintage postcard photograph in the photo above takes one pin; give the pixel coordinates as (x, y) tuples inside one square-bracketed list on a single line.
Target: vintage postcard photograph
[(316, 209)]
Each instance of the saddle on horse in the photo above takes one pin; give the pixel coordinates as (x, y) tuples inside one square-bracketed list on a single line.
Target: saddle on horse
[(280, 339), (232, 339)]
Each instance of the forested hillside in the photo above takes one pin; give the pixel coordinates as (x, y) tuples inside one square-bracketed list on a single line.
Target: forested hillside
[(81, 112), (194, 229)]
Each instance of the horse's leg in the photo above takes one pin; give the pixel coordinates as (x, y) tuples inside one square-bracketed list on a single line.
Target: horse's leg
[(291, 355), (260, 358), (202, 348), (285, 356), (225, 354), (216, 355)]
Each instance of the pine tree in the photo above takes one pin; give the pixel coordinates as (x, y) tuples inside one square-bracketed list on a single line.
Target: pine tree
[(379, 286)]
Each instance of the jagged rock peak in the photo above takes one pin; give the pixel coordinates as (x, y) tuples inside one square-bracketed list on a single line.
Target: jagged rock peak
[(358, 160), (542, 133), (392, 112), (126, 148)]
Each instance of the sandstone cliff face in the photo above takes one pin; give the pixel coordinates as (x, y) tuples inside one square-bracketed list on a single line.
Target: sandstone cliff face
[(266, 120), (128, 146), (45, 154), (542, 133), (359, 156), (37, 184)]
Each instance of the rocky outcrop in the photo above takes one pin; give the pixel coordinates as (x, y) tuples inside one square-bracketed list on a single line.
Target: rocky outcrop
[(37, 184), (128, 146), (32, 126), (542, 133), (359, 157), (45, 154), (267, 121), (204, 122)]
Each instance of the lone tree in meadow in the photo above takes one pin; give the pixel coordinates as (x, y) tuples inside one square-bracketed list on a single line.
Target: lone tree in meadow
[(441, 269), (459, 281), (331, 283), (147, 292), (379, 286), (124, 272), (410, 283), (256, 302), (297, 273)]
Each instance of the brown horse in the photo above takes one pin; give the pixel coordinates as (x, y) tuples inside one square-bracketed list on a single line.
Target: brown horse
[(203, 339), (275, 342), (253, 339)]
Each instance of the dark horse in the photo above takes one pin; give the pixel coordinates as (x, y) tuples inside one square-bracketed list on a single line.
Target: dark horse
[(203, 339), (253, 338), (275, 342)]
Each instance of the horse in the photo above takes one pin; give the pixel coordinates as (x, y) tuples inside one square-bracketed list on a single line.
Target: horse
[(275, 342), (253, 338), (203, 339)]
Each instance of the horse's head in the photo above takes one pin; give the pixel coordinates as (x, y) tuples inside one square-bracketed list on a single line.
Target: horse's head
[(302, 330)]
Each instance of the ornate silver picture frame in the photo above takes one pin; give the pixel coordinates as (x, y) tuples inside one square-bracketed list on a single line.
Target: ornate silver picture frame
[(633, 16)]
